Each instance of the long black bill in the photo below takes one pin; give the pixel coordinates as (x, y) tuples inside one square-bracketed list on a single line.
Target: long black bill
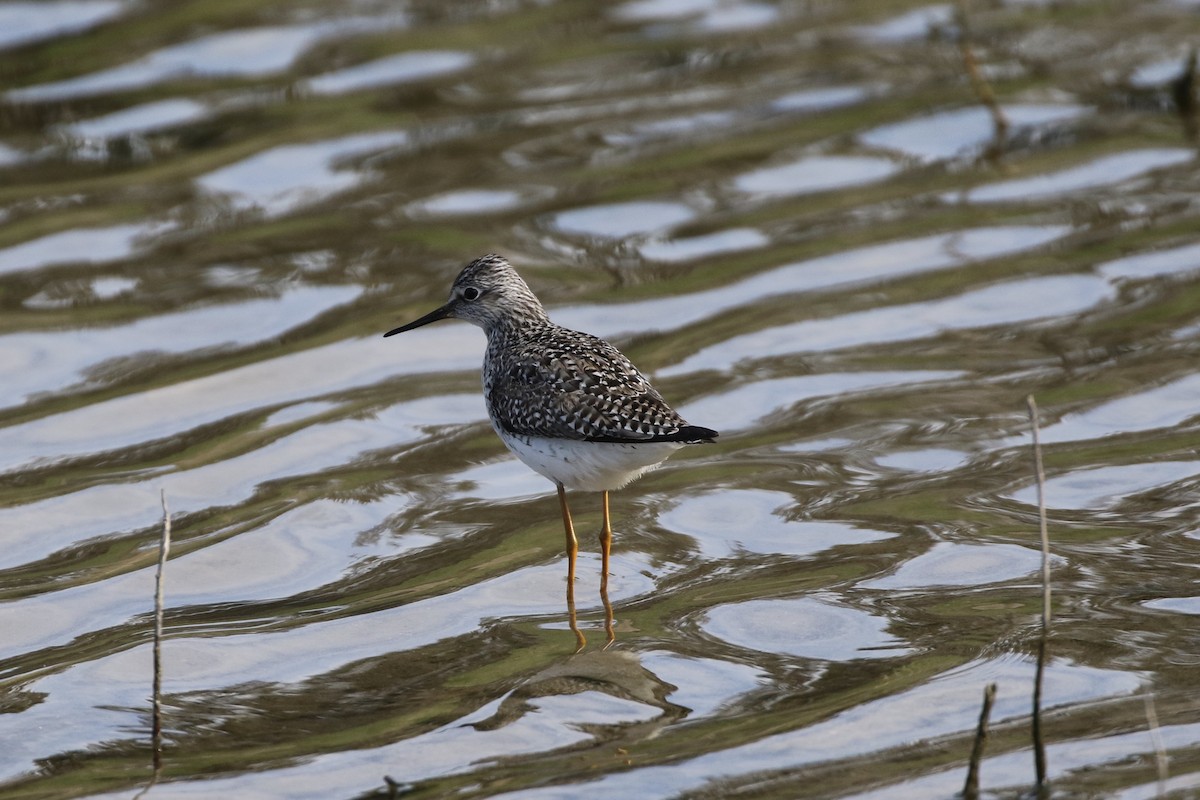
[(432, 316)]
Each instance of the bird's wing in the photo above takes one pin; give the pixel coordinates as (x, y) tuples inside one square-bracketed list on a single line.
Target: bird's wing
[(579, 388)]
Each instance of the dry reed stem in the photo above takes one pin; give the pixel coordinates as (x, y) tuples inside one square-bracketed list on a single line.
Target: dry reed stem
[(981, 86), (971, 787), (1160, 751), (164, 547), (1039, 744)]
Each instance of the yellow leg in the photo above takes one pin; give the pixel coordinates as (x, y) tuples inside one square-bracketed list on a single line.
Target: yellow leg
[(572, 552), (605, 543), (605, 553)]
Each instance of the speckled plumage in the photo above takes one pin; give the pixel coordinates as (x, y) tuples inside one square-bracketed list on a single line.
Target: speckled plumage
[(541, 379)]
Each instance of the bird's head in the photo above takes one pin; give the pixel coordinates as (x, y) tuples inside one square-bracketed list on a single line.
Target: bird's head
[(489, 293)]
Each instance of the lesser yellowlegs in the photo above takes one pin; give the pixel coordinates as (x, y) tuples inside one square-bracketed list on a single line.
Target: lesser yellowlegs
[(568, 404)]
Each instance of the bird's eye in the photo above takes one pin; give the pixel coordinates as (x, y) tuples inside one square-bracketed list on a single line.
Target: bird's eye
[(470, 294)]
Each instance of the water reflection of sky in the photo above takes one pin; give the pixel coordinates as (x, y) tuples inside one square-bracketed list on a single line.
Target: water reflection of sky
[(1004, 303), (814, 174), (81, 245), (143, 118), (400, 68), (23, 23), (1156, 407), (32, 363), (962, 131), (621, 220), (735, 522), (807, 627), (165, 411), (245, 53), (947, 704), (963, 565), (749, 403), (689, 149), (1104, 487), (873, 263), (45, 526), (1103, 171), (286, 177)]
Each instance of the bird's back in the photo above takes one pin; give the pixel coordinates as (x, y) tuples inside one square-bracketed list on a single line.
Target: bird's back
[(555, 382)]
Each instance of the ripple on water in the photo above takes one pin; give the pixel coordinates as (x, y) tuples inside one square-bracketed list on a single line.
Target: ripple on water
[(542, 724), (547, 723), (728, 241), (1103, 171), (33, 363), (1105, 487), (873, 263), (1159, 72), (944, 705), (701, 123), (44, 527), (99, 289), (963, 131), (807, 627), (1158, 407), (953, 564), (737, 16), (814, 174), (750, 403), (706, 16), (1156, 264), (1176, 605), (916, 24), (10, 156), (296, 654), (22, 23), (284, 178), (308, 547), (926, 460), (109, 288), (171, 410), (251, 52), (808, 100), (77, 246), (620, 220), (1008, 772), (1002, 303), (703, 685), (407, 67), (737, 521), (464, 202), (143, 118), (503, 480), (655, 10)]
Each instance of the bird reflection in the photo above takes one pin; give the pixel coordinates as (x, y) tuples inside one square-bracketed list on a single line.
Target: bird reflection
[(618, 673)]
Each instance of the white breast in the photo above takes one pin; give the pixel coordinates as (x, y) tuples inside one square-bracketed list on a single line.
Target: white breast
[(587, 466)]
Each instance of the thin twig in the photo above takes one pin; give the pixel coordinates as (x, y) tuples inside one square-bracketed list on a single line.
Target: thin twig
[(981, 86), (1160, 751), (164, 547), (1039, 744), (1183, 91), (971, 787)]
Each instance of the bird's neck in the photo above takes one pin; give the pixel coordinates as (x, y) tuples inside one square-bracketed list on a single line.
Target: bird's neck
[(515, 329)]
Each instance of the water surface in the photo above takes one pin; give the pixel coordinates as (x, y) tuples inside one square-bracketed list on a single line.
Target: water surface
[(796, 217)]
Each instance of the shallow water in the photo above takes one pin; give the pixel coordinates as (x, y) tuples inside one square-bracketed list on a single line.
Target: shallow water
[(796, 217)]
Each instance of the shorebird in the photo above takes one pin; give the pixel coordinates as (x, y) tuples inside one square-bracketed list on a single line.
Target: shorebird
[(569, 405)]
